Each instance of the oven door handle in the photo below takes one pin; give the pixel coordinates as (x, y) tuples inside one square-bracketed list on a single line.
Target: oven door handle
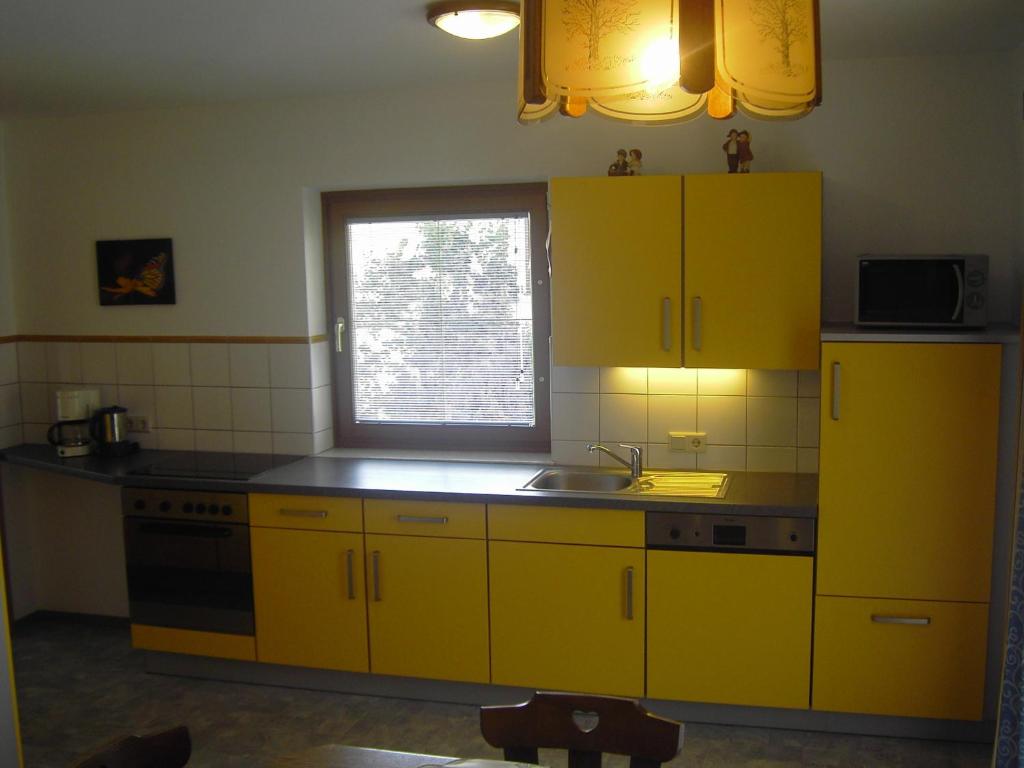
[(186, 529)]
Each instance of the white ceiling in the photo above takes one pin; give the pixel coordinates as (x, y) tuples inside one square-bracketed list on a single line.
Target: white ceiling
[(61, 56)]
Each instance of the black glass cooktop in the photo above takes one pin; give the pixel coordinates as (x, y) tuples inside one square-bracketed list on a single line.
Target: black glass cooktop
[(214, 466)]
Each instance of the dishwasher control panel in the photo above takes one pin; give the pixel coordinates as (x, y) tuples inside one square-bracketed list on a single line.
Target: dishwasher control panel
[(753, 533)]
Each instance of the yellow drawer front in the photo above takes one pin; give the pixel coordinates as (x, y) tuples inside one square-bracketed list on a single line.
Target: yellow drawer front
[(317, 513), (729, 628), (193, 643), (426, 518), (566, 525), (879, 657)]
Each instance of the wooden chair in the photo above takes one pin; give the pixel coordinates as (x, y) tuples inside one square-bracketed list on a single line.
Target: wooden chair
[(587, 726), (167, 749)]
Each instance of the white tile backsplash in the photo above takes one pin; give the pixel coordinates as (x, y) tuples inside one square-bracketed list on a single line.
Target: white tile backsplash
[(572, 452), (770, 459), (771, 421), (253, 442), (174, 407), (11, 436), (99, 363), (808, 416), (10, 405), (721, 381), (723, 458), (250, 409), (810, 384), (214, 440), (322, 409), (31, 361), (672, 381), (176, 439), (34, 433), (292, 410), (631, 381), (134, 363), (294, 443), (64, 362), (211, 366), (771, 383), (139, 400), (321, 364), (211, 407), (290, 366), (35, 402), (670, 413), (172, 365), (723, 418), (660, 457), (807, 460), (323, 440), (565, 379), (250, 365), (9, 363), (575, 416), (624, 418)]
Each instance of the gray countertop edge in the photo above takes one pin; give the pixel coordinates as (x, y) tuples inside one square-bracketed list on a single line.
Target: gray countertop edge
[(750, 493), (995, 333)]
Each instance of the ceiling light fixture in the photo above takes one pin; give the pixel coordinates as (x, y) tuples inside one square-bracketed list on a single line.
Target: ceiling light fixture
[(667, 61), (474, 20)]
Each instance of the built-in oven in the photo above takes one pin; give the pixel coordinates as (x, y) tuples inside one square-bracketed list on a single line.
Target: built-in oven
[(188, 560)]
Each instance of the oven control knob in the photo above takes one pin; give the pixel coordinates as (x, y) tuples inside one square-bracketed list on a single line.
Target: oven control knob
[(226, 510), (165, 506), (975, 300), (187, 507), (675, 533), (200, 508), (140, 504), (214, 509), (793, 537)]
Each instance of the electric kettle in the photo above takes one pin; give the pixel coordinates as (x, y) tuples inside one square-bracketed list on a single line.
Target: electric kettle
[(108, 427)]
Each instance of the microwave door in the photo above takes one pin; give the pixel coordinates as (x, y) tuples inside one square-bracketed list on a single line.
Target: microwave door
[(911, 292)]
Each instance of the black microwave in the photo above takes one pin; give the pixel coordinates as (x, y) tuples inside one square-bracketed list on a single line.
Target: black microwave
[(922, 291)]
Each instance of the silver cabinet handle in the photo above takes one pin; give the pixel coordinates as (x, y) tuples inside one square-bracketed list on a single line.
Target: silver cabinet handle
[(919, 621), (960, 291), (836, 374), (350, 574), (666, 324), (425, 519), (697, 323), (629, 593), (375, 559), (339, 331), (321, 513)]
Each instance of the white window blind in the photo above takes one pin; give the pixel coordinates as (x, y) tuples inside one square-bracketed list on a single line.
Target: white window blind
[(441, 323)]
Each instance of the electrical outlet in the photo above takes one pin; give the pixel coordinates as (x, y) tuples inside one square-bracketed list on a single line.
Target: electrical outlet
[(688, 442), (138, 424)]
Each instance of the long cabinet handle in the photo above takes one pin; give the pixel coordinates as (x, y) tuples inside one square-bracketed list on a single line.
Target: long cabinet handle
[(375, 560), (321, 513), (629, 593), (697, 323), (666, 324), (350, 573), (836, 392), (919, 621), (438, 520)]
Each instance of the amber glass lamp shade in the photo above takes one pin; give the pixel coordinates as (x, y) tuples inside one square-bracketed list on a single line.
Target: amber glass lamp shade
[(667, 61)]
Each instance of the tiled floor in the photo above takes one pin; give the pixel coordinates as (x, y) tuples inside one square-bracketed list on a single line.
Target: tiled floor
[(80, 684)]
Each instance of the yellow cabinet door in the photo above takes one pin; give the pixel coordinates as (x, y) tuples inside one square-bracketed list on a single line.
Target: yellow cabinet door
[(616, 271), (428, 607), (907, 470), (729, 628), (310, 598), (900, 657), (567, 617), (752, 255)]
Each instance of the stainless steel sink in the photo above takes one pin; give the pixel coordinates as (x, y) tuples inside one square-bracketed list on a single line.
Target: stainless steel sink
[(708, 485), (578, 480)]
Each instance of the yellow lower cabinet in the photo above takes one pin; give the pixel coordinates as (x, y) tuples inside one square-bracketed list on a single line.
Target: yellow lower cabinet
[(566, 617), (900, 657), (729, 628), (310, 598), (428, 607)]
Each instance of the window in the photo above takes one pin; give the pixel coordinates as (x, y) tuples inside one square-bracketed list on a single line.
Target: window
[(444, 298)]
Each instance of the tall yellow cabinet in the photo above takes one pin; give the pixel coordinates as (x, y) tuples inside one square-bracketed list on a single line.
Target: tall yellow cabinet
[(745, 247), (906, 508)]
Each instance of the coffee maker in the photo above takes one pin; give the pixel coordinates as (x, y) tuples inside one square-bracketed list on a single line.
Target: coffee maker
[(70, 434)]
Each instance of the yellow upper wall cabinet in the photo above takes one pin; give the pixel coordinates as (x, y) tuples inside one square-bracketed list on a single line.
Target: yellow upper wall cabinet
[(567, 617), (752, 255), (729, 628), (616, 262), (428, 607), (908, 462), (310, 599)]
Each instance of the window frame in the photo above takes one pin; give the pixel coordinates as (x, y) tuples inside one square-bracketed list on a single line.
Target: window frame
[(497, 199)]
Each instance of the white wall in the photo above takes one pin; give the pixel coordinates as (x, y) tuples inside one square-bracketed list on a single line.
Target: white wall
[(914, 153)]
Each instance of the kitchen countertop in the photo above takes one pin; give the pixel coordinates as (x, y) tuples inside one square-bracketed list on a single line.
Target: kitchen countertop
[(994, 333), (750, 493)]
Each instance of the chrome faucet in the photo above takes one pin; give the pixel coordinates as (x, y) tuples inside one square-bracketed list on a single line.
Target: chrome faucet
[(636, 457)]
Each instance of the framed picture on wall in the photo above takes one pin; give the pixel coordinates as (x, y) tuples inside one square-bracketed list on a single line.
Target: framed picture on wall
[(133, 272)]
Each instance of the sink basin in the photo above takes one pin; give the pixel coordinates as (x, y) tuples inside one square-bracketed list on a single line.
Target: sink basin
[(579, 480), (708, 485)]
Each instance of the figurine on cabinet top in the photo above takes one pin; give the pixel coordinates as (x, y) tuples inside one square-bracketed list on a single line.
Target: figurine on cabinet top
[(621, 166), (732, 150), (636, 164), (743, 150)]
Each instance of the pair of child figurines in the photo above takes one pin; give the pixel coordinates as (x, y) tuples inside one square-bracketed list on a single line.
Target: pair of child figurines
[(737, 151), (633, 166)]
